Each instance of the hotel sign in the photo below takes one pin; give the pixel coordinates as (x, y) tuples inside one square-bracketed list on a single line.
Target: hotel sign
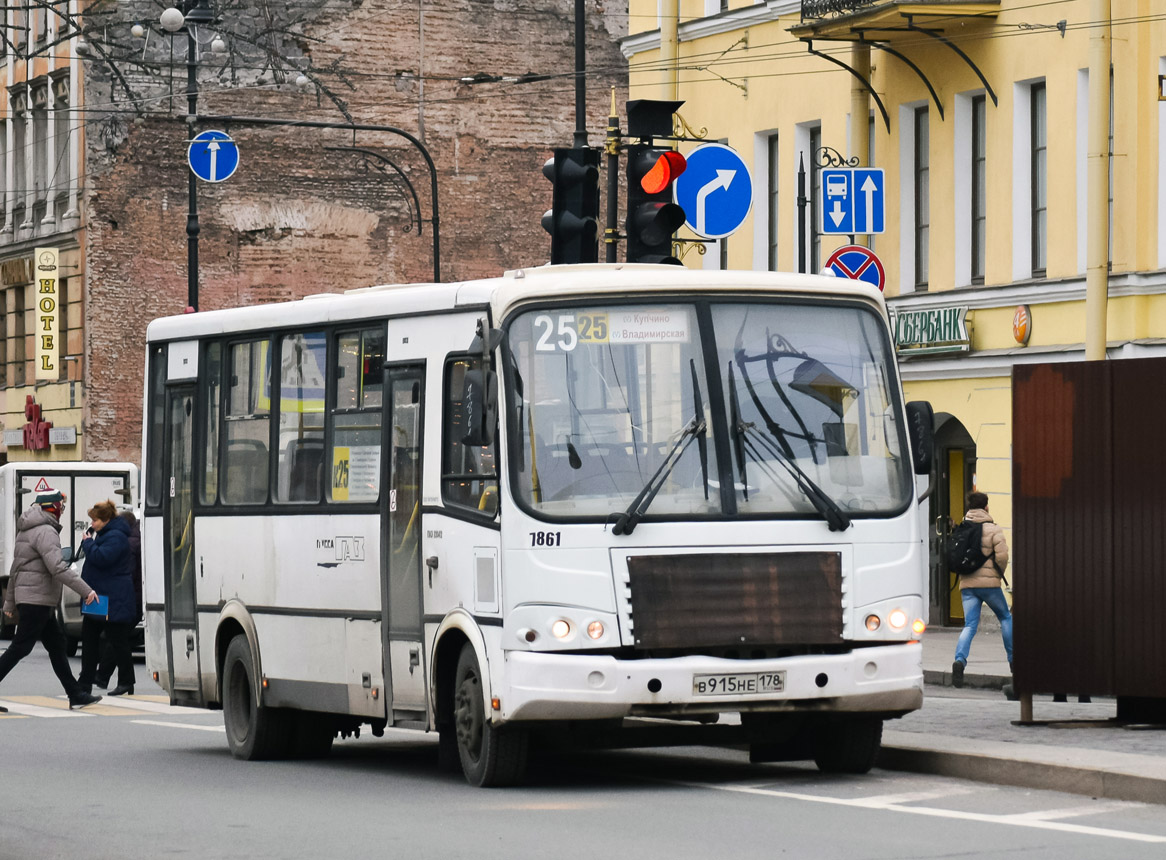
[(932, 332), (48, 315)]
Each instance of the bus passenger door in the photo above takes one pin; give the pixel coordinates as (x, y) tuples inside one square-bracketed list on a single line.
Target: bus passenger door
[(178, 523), (401, 542)]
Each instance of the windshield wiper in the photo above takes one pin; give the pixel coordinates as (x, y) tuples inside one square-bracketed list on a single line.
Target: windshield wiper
[(746, 437), (627, 521)]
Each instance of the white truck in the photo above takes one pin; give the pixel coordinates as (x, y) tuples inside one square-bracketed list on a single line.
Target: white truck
[(84, 484)]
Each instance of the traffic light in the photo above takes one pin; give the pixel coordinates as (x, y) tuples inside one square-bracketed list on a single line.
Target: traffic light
[(573, 217), (652, 216)]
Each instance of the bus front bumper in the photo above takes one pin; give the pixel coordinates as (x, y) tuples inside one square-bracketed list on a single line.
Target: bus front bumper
[(540, 686)]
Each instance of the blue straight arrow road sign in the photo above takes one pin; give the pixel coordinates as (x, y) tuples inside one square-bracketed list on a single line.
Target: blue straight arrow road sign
[(213, 156), (853, 201)]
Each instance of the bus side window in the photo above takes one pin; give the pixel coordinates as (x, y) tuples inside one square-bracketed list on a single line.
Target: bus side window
[(302, 363), (353, 462), (469, 475), (247, 424)]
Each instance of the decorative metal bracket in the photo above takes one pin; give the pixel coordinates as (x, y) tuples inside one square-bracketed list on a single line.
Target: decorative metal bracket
[(939, 37), (682, 130), (865, 82), (378, 161), (883, 46), (681, 247), (828, 156)]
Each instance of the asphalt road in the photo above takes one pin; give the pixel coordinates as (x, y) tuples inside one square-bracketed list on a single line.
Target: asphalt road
[(138, 779)]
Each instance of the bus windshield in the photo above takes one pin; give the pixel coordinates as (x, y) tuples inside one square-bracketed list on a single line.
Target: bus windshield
[(615, 410)]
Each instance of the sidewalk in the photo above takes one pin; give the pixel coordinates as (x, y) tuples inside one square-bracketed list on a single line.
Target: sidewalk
[(970, 733)]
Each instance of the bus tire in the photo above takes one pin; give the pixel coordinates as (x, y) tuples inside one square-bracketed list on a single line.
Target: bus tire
[(254, 732), (490, 755), (848, 745)]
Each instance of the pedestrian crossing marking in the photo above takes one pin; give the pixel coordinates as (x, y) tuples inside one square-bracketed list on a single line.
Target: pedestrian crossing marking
[(39, 706), (122, 706)]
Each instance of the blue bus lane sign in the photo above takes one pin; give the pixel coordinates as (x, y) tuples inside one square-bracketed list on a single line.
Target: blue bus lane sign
[(853, 201)]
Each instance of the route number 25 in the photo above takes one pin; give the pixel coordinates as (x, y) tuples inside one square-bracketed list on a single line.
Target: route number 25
[(567, 331)]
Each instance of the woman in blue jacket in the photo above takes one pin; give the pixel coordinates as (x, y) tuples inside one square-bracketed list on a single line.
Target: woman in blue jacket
[(109, 571)]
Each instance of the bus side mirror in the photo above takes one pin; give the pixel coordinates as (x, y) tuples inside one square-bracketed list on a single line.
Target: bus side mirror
[(480, 406), (921, 432)]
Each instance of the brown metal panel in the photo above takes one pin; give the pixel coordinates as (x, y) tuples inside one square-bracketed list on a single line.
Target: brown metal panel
[(1062, 530), (1139, 534), (713, 600)]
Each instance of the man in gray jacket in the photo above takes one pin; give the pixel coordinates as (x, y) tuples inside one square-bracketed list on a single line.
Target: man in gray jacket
[(34, 589)]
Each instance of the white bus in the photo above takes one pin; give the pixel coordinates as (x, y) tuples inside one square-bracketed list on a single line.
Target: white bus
[(632, 504)]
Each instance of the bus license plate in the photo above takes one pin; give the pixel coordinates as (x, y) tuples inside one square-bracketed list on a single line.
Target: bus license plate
[(725, 685)]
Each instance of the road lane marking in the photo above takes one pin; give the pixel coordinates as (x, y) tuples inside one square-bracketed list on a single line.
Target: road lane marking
[(915, 796), (1071, 811), (179, 725), (984, 818), (148, 704)]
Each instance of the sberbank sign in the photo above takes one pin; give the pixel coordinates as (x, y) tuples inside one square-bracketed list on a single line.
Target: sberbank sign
[(932, 331)]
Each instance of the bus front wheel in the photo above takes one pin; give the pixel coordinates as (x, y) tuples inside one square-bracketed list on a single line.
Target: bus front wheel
[(254, 732), (490, 755)]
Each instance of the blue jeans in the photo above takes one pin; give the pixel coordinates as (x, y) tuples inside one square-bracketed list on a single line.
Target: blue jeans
[(972, 599)]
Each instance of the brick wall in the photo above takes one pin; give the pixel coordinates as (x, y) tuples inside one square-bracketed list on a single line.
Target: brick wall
[(300, 218)]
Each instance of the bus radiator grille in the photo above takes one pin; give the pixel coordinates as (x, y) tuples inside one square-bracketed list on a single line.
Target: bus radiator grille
[(715, 600)]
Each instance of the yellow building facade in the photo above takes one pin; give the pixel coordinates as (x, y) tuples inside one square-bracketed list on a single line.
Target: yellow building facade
[(979, 115)]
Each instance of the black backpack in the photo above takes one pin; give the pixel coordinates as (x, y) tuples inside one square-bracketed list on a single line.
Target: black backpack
[(964, 555)]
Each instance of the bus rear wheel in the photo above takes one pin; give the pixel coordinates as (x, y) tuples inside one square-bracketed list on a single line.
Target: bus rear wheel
[(848, 745), (490, 755), (254, 732)]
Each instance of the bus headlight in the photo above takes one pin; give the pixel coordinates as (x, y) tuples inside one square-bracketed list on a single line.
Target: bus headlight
[(897, 619), (561, 629), (595, 629)]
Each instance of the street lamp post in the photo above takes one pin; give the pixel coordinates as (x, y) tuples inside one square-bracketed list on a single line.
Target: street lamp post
[(198, 13)]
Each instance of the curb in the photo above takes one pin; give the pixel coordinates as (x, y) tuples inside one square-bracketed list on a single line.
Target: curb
[(940, 678), (998, 770)]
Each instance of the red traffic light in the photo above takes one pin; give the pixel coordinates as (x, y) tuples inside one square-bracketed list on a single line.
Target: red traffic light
[(668, 166)]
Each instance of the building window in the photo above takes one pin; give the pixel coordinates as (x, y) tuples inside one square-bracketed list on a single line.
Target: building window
[(774, 172), (922, 198), (40, 134), (61, 174), (815, 198), (19, 25), (40, 23), (1039, 159), (18, 98), (979, 187), (19, 340)]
